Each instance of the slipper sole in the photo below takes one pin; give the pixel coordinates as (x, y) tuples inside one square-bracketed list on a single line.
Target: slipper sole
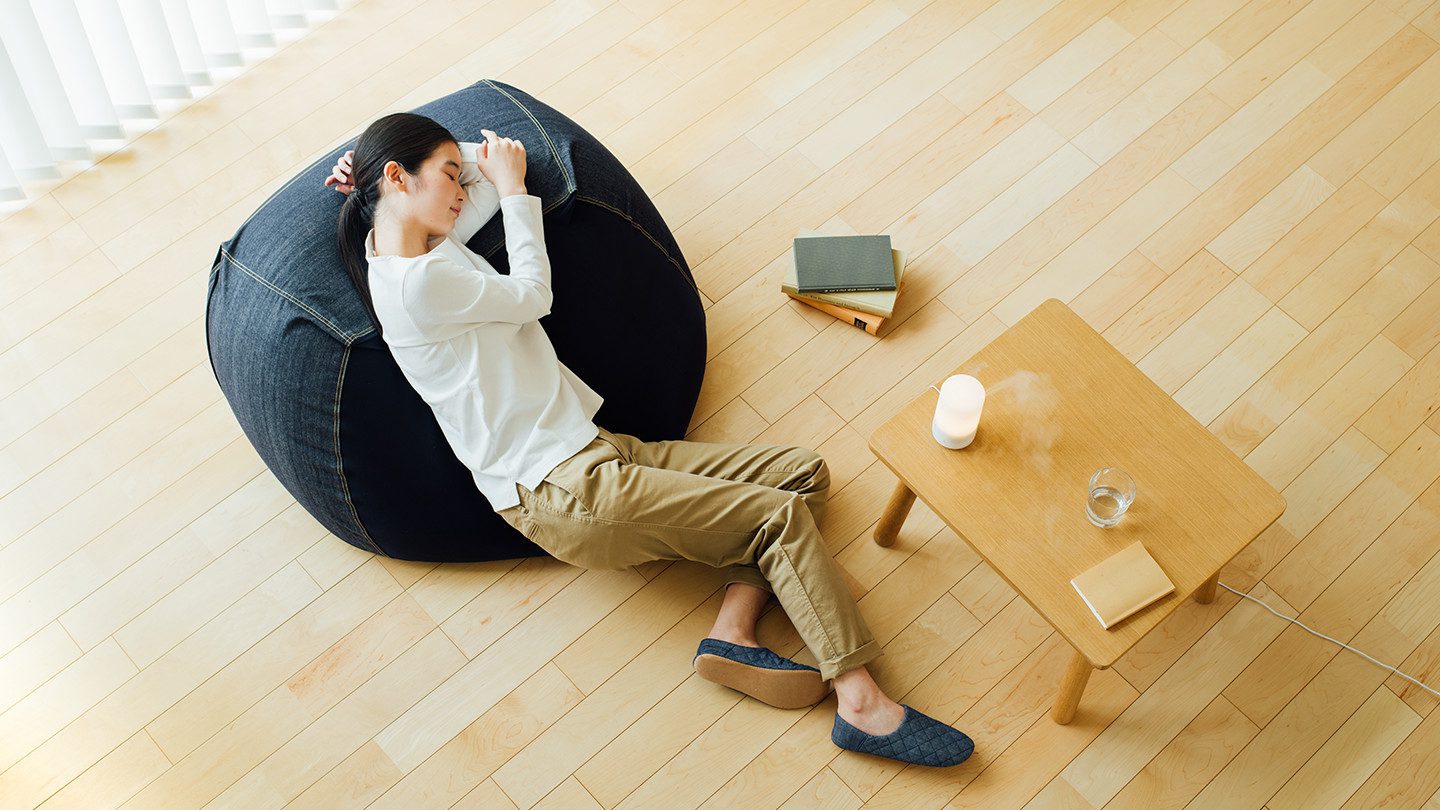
[(781, 688)]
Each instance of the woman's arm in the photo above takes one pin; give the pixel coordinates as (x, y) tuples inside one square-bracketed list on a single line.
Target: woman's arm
[(438, 291), (481, 198)]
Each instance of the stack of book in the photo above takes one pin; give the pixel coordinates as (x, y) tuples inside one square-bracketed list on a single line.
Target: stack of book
[(854, 278)]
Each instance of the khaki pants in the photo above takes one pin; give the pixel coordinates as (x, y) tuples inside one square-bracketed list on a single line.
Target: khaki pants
[(749, 508)]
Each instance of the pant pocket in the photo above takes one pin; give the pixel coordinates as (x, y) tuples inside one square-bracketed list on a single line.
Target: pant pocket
[(569, 487), (575, 540), (555, 496), (617, 445)]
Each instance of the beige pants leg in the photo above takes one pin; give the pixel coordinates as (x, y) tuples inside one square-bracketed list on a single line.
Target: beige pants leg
[(749, 508)]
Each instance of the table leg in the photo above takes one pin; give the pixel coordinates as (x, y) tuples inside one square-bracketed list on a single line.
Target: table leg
[(1071, 689), (894, 516), (1206, 594)]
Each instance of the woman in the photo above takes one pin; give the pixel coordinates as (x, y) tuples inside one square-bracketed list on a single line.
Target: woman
[(469, 340)]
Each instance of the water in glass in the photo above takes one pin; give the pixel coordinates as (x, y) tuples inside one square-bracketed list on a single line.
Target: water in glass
[(1111, 491)]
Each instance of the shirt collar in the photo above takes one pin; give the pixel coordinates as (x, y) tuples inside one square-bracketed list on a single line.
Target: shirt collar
[(372, 253)]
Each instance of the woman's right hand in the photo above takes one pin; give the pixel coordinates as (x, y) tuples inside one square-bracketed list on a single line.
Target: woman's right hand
[(502, 161), (340, 176)]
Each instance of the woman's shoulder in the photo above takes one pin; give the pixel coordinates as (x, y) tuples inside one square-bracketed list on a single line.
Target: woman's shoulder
[(436, 257)]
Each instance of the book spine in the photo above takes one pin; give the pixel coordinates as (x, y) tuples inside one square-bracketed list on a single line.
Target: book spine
[(860, 320), (791, 291), (872, 288)]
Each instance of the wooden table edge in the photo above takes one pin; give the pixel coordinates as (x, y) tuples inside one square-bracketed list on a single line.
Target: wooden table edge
[(1282, 504)]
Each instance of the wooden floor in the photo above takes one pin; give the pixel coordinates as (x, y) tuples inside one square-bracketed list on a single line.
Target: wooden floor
[(1244, 197)]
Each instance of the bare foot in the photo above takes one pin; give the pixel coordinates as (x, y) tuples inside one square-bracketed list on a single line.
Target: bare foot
[(879, 718), (862, 704), (739, 611), (735, 637)]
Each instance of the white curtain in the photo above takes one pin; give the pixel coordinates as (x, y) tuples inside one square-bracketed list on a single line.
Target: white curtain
[(75, 70)]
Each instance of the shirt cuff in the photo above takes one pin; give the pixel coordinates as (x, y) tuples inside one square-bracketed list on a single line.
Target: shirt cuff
[(528, 202)]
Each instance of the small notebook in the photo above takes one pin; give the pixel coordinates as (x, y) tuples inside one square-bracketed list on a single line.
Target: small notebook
[(844, 264), (1121, 584)]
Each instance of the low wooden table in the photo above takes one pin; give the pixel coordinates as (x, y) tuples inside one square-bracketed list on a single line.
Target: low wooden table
[(1061, 403)]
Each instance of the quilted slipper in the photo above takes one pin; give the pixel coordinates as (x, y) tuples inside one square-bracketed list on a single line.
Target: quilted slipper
[(760, 673), (920, 740)]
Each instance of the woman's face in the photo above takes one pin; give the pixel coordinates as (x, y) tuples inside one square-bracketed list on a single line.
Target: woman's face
[(430, 198)]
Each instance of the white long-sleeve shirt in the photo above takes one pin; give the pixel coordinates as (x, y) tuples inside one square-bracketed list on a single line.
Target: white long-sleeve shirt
[(470, 342)]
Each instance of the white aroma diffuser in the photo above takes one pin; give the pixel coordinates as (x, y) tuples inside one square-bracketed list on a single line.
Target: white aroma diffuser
[(957, 412)]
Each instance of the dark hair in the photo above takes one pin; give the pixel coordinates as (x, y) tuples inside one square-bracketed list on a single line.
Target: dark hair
[(407, 139)]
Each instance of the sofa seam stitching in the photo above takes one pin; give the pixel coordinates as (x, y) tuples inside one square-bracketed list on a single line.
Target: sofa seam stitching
[(554, 153), (344, 336), (340, 457), (637, 226)]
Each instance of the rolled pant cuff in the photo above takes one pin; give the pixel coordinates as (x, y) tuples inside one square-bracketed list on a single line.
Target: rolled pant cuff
[(748, 576), (859, 657)]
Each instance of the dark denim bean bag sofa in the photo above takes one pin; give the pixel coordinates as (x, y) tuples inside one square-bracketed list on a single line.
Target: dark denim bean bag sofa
[(322, 400)]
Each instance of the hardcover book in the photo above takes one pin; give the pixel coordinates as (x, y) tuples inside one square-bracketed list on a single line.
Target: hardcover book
[(843, 264)]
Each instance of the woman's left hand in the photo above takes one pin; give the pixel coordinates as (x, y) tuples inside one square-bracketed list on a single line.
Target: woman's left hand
[(340, 175)]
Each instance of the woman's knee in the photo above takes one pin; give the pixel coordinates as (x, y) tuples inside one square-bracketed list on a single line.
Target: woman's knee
[(815, 472), (821, 476), (816, 487)]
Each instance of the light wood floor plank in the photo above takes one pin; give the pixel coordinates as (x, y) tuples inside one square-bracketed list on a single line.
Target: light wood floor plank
[(1341, 611), (1309, 720), (1400, 410), (97, 584), (1327, 414), (1244, 197), (1276, 158), (1183, 767), (1408, 775)]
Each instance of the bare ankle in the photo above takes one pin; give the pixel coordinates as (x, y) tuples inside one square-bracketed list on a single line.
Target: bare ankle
[(856, 692), (873, 713), (861, 701), (735, 635)]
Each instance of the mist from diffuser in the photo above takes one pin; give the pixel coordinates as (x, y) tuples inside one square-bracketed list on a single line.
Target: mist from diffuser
[(957, 412)]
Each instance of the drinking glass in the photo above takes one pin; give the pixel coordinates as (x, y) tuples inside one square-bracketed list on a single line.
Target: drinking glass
[(1110, 494)]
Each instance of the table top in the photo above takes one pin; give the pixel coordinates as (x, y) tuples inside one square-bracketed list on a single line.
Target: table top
[(1061, 403)]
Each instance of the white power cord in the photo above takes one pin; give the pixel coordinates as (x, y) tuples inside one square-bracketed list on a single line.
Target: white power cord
[(1328, 638)]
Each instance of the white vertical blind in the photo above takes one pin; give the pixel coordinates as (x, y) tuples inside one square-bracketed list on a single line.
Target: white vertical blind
[(109, 38), (252, 23), (41, 82), (79, 71), (20, 134), (216, 32), (75, 70), (155, 47), (187, 41), (9, 183)]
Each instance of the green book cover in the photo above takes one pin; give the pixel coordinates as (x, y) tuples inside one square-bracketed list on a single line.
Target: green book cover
[(881, 303), (843, 264)]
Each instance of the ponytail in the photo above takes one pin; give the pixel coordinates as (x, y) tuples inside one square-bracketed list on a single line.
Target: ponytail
[(356, 219)]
